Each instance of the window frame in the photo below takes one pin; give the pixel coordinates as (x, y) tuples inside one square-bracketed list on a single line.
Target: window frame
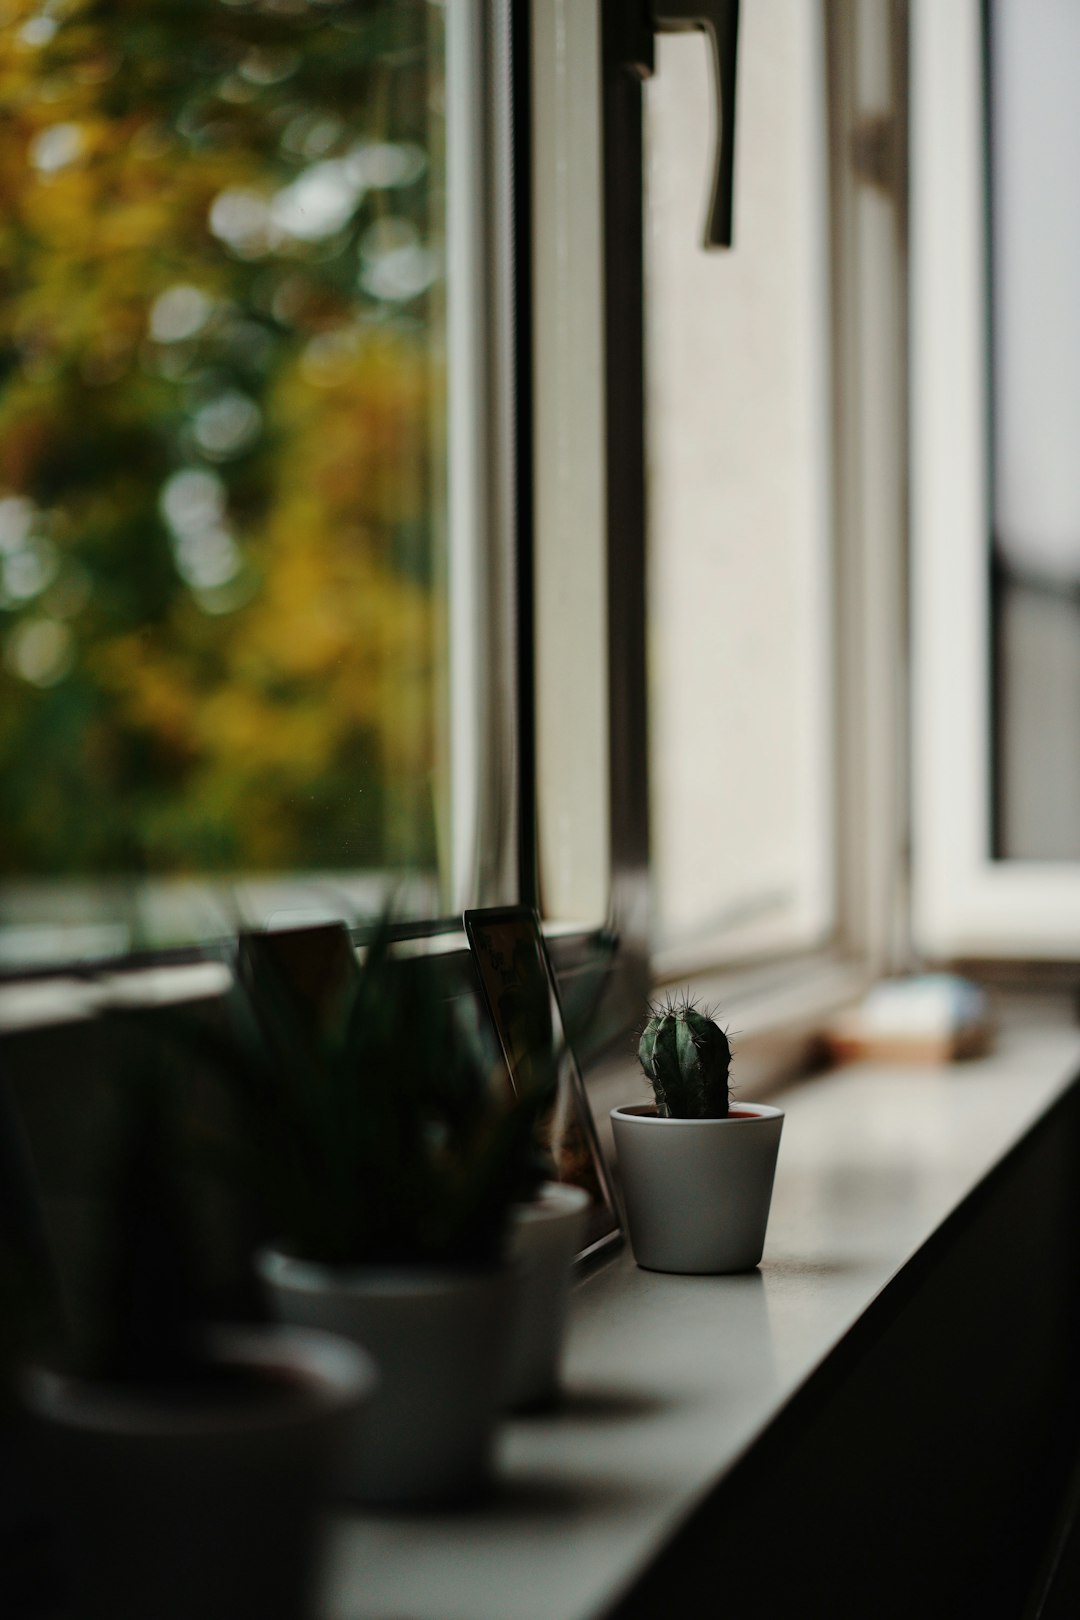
[(867, 70), (493, 780), (967, 904), (604, 959)]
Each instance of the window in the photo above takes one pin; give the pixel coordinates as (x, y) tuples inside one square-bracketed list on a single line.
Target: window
[(995, 854), (776, 714), (740, 621), (429, 607), (245, 502), (1033, 131)]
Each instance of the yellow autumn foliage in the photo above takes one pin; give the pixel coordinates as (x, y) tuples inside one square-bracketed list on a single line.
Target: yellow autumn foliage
[(258, 680)]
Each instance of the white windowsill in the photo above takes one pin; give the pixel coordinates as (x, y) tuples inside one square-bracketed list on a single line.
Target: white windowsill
[(671, 1379)]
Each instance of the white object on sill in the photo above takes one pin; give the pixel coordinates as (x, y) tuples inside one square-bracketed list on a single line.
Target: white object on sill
[(932, 1018), (545, 1236)]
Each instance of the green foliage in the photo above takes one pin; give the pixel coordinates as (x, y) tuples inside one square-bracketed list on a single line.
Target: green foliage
[(373, 1124), (247, 677), (687, 1057)]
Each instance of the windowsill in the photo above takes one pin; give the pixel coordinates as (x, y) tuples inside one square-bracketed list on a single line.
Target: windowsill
[(670, 1380)]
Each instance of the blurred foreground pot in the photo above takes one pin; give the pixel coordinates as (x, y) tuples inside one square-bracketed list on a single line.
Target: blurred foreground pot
[(697, 1191), (545, 1237), (439, 1339), (202, 1500)]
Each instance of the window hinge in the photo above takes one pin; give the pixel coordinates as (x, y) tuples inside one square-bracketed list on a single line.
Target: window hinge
[(875, 154)]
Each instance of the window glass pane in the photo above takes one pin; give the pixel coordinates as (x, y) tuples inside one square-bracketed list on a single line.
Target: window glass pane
[(222, 441), (1035, 250), (739, 580)]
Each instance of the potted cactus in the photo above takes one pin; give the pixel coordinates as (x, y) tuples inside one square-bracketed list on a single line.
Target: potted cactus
[(184, 1465), (697, 1173), (390, 1156)]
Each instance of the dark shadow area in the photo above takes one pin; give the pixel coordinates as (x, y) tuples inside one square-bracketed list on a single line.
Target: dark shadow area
[(598, 1405), (537, 1497), (514, 1500)]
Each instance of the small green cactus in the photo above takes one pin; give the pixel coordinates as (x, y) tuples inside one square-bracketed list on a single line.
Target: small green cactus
[(686, 1056)]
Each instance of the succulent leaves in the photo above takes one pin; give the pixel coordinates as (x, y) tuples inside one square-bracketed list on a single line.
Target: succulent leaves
[(380, 1126), (686, 1057)]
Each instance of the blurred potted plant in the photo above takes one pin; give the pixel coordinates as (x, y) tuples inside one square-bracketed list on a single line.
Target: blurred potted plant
[(697, 1173), (390, 1156), (186, 1463)]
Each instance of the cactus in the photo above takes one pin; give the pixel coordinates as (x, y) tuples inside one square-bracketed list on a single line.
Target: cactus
[(686, 1056)]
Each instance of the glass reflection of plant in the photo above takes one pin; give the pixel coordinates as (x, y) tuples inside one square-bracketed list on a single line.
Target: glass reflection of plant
[(221, 428)]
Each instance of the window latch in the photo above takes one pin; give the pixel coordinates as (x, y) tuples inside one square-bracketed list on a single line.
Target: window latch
[(718, 20)]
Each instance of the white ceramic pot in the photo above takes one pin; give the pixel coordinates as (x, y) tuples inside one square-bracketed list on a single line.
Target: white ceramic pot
[(697, 1191), (439, 1340), (545, 1236), (198, 1502)]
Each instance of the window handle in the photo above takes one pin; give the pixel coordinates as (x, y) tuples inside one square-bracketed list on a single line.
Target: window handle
[(718, 20)]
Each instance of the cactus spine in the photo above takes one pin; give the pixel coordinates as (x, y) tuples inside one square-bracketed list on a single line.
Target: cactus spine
[(686, 1056)]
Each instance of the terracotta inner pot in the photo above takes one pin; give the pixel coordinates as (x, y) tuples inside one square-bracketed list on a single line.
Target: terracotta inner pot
[(732, 1113)]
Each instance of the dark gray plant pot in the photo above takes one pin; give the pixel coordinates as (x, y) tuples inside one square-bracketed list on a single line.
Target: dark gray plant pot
[(179, 1505)]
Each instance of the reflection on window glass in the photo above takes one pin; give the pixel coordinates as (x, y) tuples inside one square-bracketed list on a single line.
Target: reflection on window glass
[(1035, 248), (222, 426)]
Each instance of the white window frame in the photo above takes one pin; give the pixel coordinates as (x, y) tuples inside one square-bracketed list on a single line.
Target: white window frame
[(966, 904), (791, 902), (793, 992), (569, 506)]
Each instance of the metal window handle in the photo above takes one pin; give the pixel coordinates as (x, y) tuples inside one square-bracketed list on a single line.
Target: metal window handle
[(718, 20)]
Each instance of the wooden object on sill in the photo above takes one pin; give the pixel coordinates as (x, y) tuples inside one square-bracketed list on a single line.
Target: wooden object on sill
[(928, 1018)]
